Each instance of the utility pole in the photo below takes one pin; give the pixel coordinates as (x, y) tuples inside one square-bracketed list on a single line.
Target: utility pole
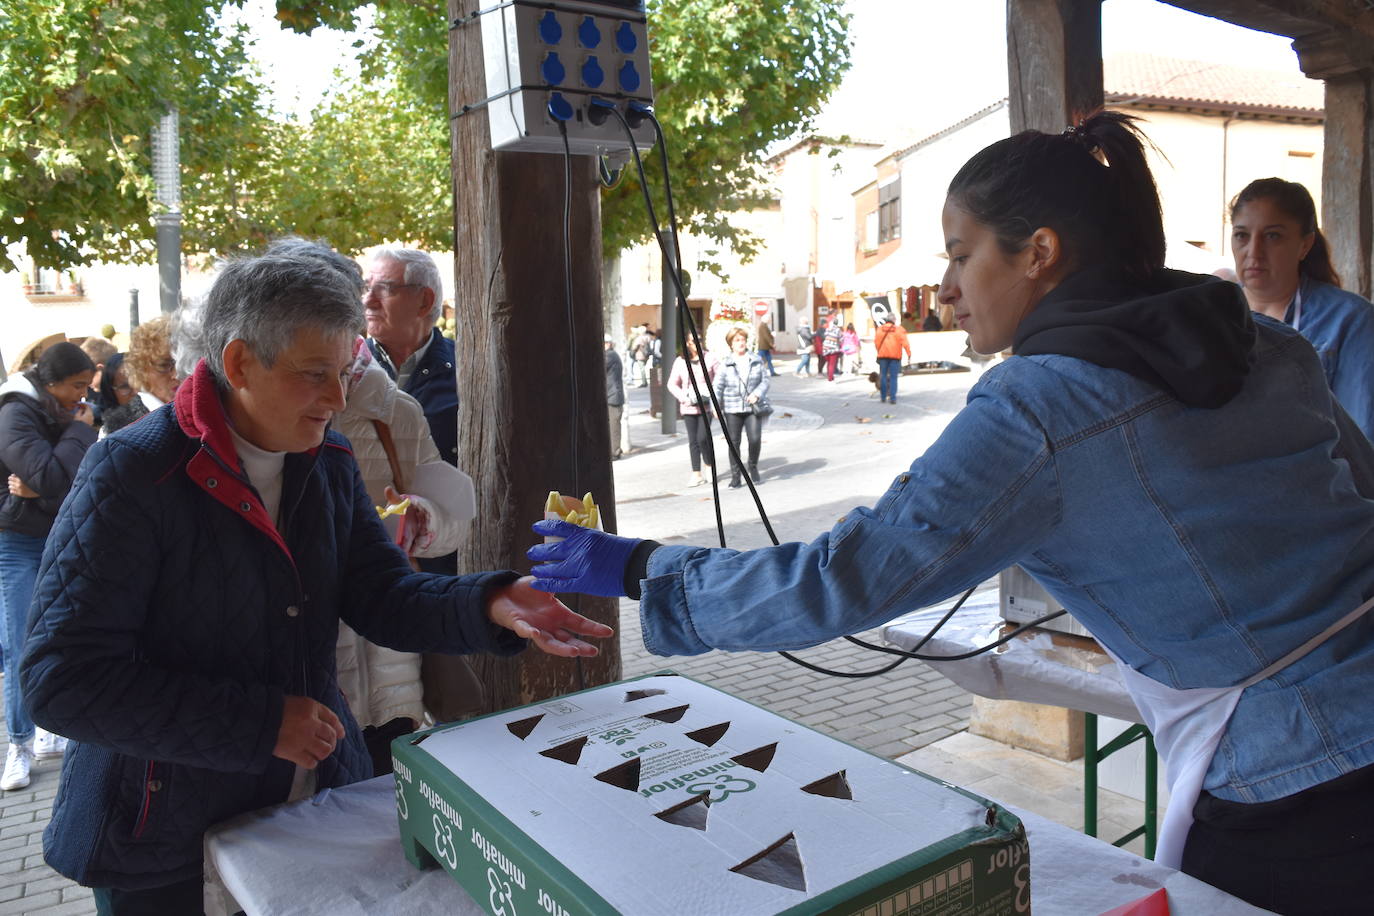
[(167, 177), (531, 377)]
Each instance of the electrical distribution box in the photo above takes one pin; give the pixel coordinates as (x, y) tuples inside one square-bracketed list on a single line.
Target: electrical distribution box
[(547, 62), (1025, 600)]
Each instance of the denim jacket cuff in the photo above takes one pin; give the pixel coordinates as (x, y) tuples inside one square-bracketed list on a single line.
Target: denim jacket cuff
[(664, 618)]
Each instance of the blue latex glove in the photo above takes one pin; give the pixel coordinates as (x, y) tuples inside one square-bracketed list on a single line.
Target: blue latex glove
[(586, 561)]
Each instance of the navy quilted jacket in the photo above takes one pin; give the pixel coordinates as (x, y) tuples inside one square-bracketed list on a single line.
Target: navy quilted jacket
[(170, 619), (435, 386)]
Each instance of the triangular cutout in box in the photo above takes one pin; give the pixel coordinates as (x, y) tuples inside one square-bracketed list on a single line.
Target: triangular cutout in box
[(567, 752), (521, 728), (710, 734), (758, 758), (632, 695), (667, 715), (691, 813), (836, 785), (779, 864), (624, 776)]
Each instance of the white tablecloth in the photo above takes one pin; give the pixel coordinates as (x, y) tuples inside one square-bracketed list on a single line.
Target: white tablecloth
[(1039, 666), (340, 854)]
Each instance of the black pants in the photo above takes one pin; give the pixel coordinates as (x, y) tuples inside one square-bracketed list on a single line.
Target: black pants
[(185, 897), (699, 446), (1310, 853), (378, 739), (753, 428)]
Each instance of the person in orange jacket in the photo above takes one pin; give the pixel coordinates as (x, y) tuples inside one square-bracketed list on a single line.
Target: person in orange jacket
[(891, 342)]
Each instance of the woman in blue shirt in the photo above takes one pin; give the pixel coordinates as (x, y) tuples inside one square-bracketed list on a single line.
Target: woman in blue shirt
[(1284, 265), (1173, 470)]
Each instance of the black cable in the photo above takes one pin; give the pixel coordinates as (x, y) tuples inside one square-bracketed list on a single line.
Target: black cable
[(696, 340), (568, 294), (734, 450), (572, 340)]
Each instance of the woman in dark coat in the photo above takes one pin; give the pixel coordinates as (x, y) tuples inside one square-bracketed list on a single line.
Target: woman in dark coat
[(45, 429)]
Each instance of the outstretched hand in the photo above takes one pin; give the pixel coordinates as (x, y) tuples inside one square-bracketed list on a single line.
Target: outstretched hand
[(540, 617), (586, 560)]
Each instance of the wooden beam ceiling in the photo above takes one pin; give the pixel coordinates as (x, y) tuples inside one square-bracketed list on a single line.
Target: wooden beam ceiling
[(1292, 18)]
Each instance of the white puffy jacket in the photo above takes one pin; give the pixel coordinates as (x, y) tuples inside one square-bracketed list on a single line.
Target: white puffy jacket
[(382, 684)]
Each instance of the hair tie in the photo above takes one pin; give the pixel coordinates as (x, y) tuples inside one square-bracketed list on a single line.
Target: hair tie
[(1079, 135)]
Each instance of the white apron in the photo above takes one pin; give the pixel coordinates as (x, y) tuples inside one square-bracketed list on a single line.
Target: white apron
[(1188, 726)]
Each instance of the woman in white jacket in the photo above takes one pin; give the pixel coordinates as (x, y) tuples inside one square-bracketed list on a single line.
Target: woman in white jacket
[(383, 685)]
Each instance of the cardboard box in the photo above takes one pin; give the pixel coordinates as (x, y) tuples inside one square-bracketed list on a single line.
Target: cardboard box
[(661, 795)]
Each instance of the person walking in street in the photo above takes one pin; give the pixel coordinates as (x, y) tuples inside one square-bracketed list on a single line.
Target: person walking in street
[(696, 411), (641, 351), (765, 345), (890, 342), (186, 615), (1171, 467), (45, 430), (615, 393), (832, 346), (806, 339), (1284, 265), (849, 345), (742, 389)]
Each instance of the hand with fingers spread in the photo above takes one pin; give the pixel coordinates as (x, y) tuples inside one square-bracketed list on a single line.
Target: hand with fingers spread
[(547, 622), (309, 732), (586, 560)]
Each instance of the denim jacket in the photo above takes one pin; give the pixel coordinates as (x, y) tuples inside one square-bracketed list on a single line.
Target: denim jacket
[(1340, 326), (1199, 545)]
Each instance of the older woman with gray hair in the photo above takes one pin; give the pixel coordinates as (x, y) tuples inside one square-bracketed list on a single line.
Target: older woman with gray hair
[(185, 615)]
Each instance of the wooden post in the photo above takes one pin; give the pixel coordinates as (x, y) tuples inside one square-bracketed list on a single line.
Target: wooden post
[(1054, 62), (1346, 63), (518, 426), (1346, 203)]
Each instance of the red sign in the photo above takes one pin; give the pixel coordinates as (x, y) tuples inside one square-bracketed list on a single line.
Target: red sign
[(763, 307)]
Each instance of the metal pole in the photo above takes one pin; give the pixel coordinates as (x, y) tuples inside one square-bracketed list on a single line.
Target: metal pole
[(668, 336), (167, 176), (169, 260), (133, 310)]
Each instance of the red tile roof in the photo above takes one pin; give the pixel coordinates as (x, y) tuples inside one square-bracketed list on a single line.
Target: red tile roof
[(1170, 80)]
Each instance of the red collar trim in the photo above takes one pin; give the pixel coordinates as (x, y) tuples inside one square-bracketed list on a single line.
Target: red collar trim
[(200, 412)]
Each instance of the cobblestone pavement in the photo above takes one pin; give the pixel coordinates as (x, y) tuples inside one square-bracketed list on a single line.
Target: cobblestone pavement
[(829, 447)]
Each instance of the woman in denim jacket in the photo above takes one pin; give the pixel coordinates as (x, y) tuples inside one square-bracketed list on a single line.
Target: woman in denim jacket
[(1176, 473), (1284, 264), (741, 383)]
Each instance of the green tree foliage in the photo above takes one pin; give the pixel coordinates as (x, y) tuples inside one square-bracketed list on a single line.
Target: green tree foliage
[(367, 166), (731, 78), (82, 83)]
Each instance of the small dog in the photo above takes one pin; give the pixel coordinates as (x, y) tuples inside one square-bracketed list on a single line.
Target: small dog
[(877, 388)]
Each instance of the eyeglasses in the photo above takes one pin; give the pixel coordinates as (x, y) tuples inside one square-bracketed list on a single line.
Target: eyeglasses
[(165, 366), (384, 288)]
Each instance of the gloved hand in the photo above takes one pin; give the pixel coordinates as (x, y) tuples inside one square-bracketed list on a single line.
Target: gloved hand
[(587, 561)]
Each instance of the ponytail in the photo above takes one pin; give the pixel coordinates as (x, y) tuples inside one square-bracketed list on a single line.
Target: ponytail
[(1091, 185), (1294, 201)]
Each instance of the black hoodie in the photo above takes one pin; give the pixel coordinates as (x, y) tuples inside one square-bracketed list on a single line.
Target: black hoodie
[(1188, 334)]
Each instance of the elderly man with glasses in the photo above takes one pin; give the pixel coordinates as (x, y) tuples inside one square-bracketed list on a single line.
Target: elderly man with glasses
[(186, 611), (403, 297)]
